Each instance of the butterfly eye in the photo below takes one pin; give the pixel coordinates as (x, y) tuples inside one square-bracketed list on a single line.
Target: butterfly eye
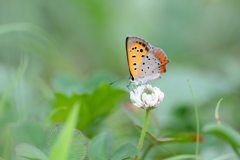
[(131, 78)]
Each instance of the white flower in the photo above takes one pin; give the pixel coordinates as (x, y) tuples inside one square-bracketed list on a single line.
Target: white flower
[(146, 96)]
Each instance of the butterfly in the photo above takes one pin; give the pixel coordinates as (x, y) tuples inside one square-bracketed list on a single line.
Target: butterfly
[(145, 62)]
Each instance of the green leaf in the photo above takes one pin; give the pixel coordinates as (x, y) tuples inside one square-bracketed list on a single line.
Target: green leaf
[(78, 148), (49, 116), (29, 132), (183, 137), (30, 152), (225, 132), (99, 147), (125, 151), (94, 105), (67, 84), (184, 157), (61, 146)]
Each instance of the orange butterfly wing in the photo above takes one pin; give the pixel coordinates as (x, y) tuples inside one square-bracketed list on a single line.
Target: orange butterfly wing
[(136, 50)]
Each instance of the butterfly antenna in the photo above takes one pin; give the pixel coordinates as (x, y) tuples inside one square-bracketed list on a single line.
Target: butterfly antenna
[(118, 80)]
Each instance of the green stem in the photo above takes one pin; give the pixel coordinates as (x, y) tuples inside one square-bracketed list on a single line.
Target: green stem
[(143, 132), (236, 150), (216, 112), (197, 121)]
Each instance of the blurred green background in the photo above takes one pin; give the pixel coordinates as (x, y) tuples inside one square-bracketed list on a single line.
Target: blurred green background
[(73, 46)]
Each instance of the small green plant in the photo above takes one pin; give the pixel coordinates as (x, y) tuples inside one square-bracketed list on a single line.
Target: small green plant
[(224, 131), (64, 142)]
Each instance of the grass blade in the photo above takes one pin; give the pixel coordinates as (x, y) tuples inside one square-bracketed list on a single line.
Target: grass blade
[(197, 121), (20, 72), (62, 145)]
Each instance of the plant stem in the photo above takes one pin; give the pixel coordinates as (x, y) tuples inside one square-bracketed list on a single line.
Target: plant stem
[(216, 112), (236, 150), (143, 132), (197, 121)]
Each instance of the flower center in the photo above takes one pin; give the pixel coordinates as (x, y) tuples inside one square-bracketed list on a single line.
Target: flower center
[(147, 91)]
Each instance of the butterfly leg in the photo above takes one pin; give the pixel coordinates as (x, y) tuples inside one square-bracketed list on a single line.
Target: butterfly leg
[(128, 86), (135, 85), (147, 88)]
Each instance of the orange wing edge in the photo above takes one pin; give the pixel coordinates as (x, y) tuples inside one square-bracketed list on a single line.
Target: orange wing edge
[(164, 62)]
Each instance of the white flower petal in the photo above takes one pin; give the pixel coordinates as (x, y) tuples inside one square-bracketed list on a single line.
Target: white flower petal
[(146, 96)]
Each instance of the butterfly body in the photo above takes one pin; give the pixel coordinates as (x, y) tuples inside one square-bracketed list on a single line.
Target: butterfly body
[(145, 61)]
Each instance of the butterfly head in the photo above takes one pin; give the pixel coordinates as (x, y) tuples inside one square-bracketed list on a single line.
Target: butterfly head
[(131, 78)]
